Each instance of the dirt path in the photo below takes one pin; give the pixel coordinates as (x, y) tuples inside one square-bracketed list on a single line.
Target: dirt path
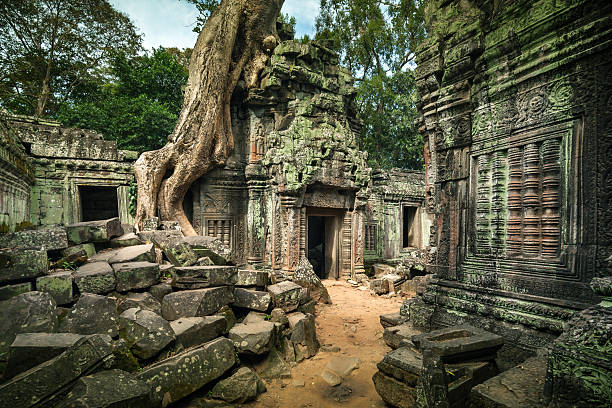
[(352, 324)]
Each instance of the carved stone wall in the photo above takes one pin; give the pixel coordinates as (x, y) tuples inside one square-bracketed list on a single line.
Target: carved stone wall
[(516, 113)]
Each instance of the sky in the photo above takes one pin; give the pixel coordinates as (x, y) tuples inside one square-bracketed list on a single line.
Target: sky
[(169, 23)]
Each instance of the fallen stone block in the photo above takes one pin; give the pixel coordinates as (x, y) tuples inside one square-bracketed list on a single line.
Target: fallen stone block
[(92, 314), (9, 291), (331, 378), (94, 231), (49, 238), (273, 366), (285, 295), (144, 301), (160, 290), (169, 226), (150, 224), (379, 286), (278, 315), (89, 249), (253, 316), (135, 275), (160, 238), (31, 349), (111, 388), (394, 392), (382, 269), (306, 277), (395, 335), (96, 277), (71, 261), (16, 264), (39, 384), (198, 277), (58, 285), (254, 337), (251, 299), (180, 375), (31, 312), (403, 364), (211, 247), (147, 332), (191, 331), (230, 317), (125, 240), (244, 385), (137, 253), (303, 335), (193, 303), (343, 366), (249, 277), (179, 253), (392, 319)]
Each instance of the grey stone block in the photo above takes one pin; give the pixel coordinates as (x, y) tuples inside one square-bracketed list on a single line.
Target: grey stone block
[(194, 303), (136, 275), (16, 264), (96, 277)]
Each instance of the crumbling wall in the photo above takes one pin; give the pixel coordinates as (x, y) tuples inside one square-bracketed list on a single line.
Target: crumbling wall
[(516, 101)]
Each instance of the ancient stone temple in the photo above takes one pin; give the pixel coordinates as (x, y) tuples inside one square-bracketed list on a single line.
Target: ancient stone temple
[(516, 110)]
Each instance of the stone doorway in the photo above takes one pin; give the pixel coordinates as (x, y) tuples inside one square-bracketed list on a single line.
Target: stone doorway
[(323, 235), (98, 202)]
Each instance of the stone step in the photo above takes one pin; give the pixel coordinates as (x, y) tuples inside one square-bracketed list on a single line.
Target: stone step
[(394, 336)]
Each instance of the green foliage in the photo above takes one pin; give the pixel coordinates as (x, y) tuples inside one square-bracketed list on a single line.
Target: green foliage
[(133, 197), (69, 266), (48, 48), (375, 40)]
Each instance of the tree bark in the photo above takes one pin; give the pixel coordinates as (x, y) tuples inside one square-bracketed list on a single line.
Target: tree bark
[(235, 43)]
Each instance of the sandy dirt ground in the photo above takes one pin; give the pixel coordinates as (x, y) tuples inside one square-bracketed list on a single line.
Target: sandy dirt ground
[(351, 324)]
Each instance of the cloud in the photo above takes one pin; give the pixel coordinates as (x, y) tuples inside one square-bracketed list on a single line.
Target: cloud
[(305, 12)]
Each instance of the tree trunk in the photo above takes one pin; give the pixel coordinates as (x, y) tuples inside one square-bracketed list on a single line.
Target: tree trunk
[(235, 43)]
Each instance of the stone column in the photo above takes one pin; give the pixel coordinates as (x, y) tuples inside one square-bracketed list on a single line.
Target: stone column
[(256, 213), (358, 237), (293, 216)]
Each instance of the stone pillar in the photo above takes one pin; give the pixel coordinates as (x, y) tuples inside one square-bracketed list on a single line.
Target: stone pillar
[(358, 240), (256, 213), (293, 216)]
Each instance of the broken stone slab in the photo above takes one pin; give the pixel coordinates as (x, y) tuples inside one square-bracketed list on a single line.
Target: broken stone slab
[(146, 331), (136, 253), (343, 366), (128, 228), (160, 290), (251, 299), (194, 303), (250, 277), (303, 335), (50, 238), (39, 384), (253, 316), (31, 312), (395, 335), (278, 315), (94, 231), (180, 375), (92, 314), (198, 277), (306, 277), (142, 300), (169, 226), (392, 319), (459, 343), (89, 249), (211, 247), (230, 317), (382, 269), (244, 385), (404, 364), (150, 224), (126, 240), (20, 263), (379, 286), (394, 392), (273, 366), (160, 238), (95, 277), (331, 378), (110, 388), (308, 307), (285, 295), (191, 331), (9, 291), (58, 285), (179, 253), (135, 275), (31, 349), (254, 337), (204, 261)]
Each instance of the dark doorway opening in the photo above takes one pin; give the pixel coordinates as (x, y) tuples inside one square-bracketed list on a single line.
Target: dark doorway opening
[(409, 237), (316, 245), (98, 202)]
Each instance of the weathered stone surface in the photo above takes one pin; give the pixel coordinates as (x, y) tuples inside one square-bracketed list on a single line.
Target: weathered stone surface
[(394, 335), (392, 319), (251, 299), (41, 382), (211, 247), (179, 253), (379, 286), (89, 249), (126, 240), (31, 349), (22, 263), (150, 224), (305, 276), (331, 378), (285, 295), (244, 385), (31, 312), (278, 315), (160, 238), (144, 301), (94, 231), (111, 388), (274, 366), (198, 277), (9, 291), (205, 261), (136, 253), (58, 285), (403, 364), (49, 238), (191, 331), (253, 316), (253, 338), (519, 387), (169, 226), (193, 303), (95, 277), (454, 342), (146, 331), (382, 269), (136, 275), (230, 317), (180, 375), (251, 277), (304, 334), (394, 392), (160, 290), (343, 366), (92, 314)]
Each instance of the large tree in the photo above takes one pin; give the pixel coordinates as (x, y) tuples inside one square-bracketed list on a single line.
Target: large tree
[(48, 47), (234, 44)]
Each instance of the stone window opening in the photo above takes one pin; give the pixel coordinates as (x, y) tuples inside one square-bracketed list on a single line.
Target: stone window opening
[(410, 237), (220, 228), (370, 238), (98, 202)]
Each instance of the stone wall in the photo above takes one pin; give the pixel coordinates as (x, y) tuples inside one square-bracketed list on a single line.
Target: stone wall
[(516, 108)]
